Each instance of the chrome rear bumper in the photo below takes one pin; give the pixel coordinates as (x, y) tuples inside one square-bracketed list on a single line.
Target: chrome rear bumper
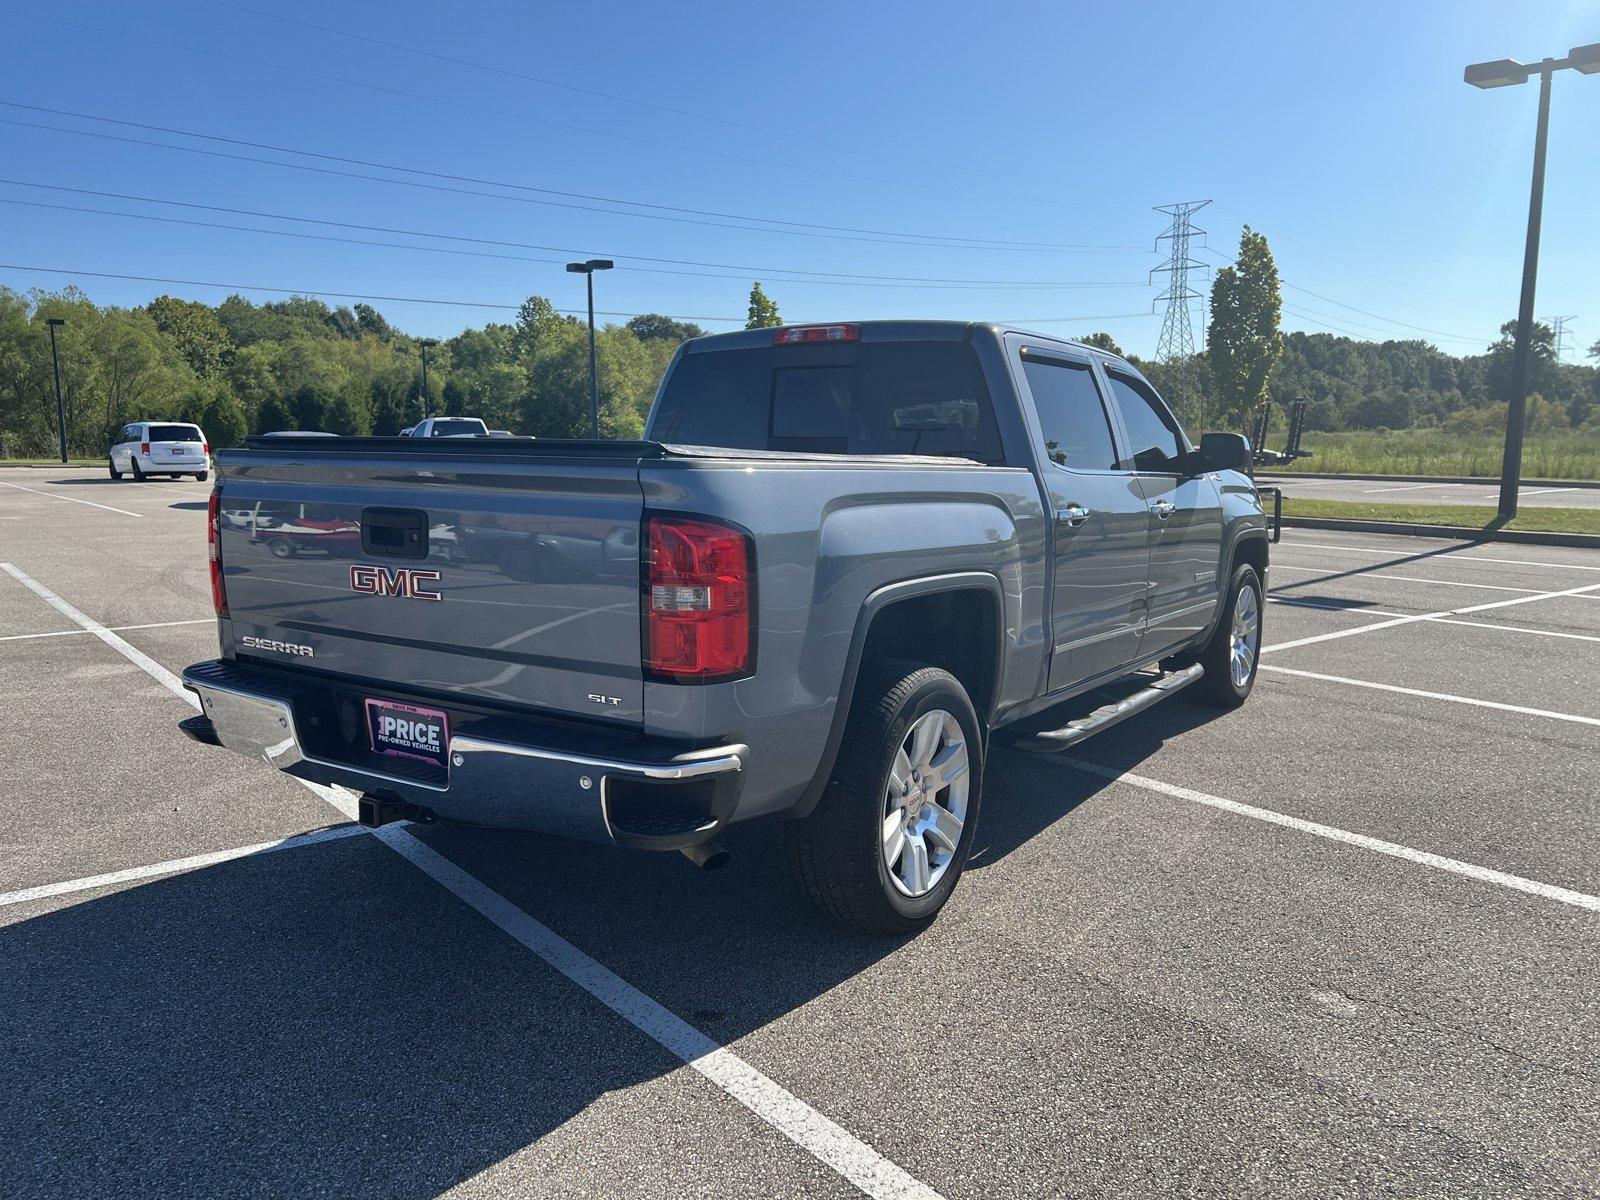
[(593, 786)]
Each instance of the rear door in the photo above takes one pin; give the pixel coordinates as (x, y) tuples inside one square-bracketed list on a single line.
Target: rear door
[(1184, 517), (1100, 537), (176, 445), (505, 580)]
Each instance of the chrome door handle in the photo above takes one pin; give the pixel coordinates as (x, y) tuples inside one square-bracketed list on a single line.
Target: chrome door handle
[(1163, 509), (1073, 514)]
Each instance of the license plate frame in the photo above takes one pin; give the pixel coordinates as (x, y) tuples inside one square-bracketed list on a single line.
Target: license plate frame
[(413, 732)]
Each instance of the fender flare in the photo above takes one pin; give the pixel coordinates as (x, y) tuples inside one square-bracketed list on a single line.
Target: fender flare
[(1229, 557), (875, 603)]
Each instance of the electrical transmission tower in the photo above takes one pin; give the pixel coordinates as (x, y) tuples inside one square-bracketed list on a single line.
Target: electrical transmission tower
[(1559, 324), (1177, 332)]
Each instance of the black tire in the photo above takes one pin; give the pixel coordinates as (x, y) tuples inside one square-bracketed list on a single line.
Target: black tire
[(1218, 687), (138, 473), (836, 854), (202, 476), (111, 468), (280, 548)]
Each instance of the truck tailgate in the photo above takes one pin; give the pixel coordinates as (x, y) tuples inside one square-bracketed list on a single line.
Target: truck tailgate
[(492, 580)]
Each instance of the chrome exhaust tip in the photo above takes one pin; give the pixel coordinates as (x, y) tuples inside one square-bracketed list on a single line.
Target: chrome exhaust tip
[(708, 856)]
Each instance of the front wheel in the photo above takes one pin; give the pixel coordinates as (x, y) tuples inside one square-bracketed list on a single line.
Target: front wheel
[(888, 840), (1233, 655)]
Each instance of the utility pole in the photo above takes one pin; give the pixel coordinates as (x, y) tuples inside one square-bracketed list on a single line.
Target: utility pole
[(1508, 72), (55, 362), (1559, 324)]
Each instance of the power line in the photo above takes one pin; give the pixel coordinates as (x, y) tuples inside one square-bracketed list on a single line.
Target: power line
[(499, 112), (790, 133), (342, 295), (1177, 335), (777, 274), (799, 228), (260, 287), (1457, 337)]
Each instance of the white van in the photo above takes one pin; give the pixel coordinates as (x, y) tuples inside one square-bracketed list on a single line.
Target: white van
[(160, 448)]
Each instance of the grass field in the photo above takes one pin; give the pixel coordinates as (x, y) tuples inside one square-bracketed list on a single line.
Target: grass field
[(1435, 452), (1544, 520), (51, 462)]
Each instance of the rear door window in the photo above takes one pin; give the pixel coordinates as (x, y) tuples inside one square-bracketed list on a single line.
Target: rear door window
[(863, 398), (174, 433)]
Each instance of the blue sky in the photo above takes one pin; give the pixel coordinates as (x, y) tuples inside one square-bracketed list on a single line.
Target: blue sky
[(1394, 195)]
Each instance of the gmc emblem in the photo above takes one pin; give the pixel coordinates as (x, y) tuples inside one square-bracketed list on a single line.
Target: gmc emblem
[(393, 581)]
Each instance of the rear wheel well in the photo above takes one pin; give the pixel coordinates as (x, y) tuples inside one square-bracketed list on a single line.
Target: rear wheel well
[(955, 630)]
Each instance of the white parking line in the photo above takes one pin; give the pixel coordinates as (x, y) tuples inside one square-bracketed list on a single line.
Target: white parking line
[(23, 637), (1381, 612), (70, 499), (1449, 612), (1409, 487), (1373, 574), (175, 866), (1533, 887), (1406, 691), (830, 1143), (1450, 556), (780, 1108), (1544, 491)]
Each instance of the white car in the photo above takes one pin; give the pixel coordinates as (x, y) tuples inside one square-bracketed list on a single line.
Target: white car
[(447, 427), (160, 448)]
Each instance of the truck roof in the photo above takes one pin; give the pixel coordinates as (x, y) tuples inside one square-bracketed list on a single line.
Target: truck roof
[(888, 331)]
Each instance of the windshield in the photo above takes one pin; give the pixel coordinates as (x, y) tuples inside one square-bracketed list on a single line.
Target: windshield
[(873, 398), (457, 428)]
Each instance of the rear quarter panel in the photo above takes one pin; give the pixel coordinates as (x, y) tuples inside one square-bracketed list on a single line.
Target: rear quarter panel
[(827, 537)]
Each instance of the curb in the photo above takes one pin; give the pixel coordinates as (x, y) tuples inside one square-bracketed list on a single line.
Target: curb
[(1487, 480), (1465, 533)]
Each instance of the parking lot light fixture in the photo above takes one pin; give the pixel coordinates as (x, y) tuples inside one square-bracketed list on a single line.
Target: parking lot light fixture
[(55, 363), (587, 270), (425, 343), (1508, 72)]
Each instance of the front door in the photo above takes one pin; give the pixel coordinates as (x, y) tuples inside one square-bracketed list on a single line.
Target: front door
[(1100, 536), (1185, 518)]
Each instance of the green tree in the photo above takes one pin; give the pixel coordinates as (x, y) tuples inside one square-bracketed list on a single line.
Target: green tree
[(763, 310), (1543, 369), (650, 327), (1101, 341), (223, 417), (195, 330), (1244, 343)]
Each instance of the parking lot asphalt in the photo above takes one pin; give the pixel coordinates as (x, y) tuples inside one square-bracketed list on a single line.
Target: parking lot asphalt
[(1342, 941), (1387, 491)]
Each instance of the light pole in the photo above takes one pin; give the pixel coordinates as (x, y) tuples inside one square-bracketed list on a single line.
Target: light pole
[(425, 343), (587, 270), (55, 362), (1507, 72)]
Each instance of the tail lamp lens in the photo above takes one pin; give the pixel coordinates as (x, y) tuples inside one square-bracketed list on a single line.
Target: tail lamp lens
[(144, 447), (219, 597), (699, 586)]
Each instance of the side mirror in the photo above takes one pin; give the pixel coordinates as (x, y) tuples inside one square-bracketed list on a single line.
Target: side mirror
[(1224, 452)]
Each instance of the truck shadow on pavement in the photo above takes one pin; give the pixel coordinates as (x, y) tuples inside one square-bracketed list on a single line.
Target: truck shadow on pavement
[(328, 1020)]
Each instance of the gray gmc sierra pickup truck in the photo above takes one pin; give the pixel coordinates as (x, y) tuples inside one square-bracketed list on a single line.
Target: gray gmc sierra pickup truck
[(843, 559)]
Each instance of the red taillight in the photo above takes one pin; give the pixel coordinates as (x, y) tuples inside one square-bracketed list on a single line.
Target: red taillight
[(205, 448), (795, 335), (144, 447), (219, 598), (699, 591)]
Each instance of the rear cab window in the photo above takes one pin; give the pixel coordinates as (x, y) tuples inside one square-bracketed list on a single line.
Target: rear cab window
[(904, 397)]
